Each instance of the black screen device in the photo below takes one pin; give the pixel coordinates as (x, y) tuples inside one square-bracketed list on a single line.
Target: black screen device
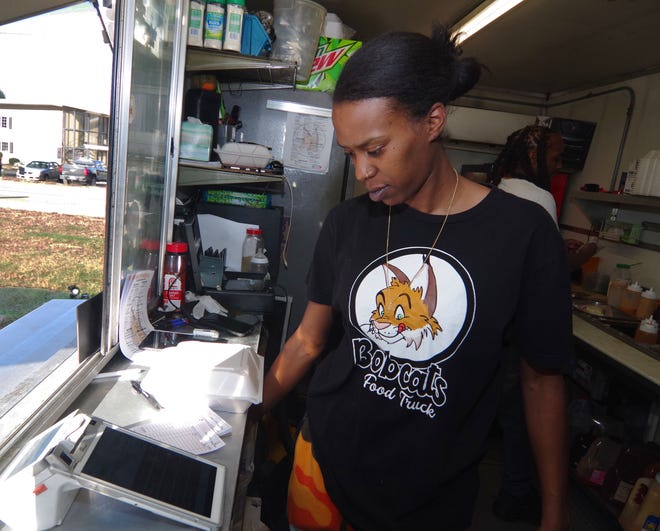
[(150, 474)]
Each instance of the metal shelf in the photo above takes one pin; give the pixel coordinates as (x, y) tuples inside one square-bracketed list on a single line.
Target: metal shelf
[(638, 202), (200, 174), (244, 69)]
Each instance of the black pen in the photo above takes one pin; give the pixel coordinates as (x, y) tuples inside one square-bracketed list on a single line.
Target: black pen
[(138, 388)]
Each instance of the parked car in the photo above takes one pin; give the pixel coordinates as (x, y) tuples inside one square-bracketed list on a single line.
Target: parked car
[(86, 171), (39, 170)]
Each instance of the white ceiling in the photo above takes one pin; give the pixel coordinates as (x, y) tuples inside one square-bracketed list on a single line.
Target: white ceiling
[(541, 46)]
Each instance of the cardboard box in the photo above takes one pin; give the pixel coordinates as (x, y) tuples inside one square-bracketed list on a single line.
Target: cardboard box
[(331, 55)]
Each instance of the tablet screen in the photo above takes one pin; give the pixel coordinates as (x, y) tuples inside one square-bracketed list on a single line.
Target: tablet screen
[(151, 470)]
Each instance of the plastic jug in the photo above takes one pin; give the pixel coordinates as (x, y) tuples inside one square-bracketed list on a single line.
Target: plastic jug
[(298, 25)]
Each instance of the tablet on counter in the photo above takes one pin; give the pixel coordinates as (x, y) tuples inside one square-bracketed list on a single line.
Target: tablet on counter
[(87, 452)]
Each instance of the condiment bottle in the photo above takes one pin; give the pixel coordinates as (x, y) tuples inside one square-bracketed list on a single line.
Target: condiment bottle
[(647, 304), (214, 24), (647, 331), (634, 502), (650, 507), (630, 298), (234, 30), (174, 275), (252, 244), (618, 283)]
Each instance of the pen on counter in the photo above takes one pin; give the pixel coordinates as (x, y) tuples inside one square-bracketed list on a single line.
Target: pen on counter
[(138, 388)]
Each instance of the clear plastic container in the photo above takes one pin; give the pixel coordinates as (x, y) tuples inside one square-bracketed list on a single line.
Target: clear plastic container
[(253, 244), (259, 263), (600, 457), (619, 281), (298, 25)]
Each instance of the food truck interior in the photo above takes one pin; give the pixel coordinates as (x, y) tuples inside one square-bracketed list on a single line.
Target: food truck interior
[(590, 69)]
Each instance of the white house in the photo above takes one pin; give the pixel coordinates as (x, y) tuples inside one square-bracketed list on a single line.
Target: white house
[(51, 132)]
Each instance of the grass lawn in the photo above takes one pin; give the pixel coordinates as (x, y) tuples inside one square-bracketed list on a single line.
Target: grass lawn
[(42, 254)]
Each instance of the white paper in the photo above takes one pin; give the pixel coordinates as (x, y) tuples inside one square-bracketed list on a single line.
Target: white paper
[(134, 324), (221, 233), (308, 142), (197, 434)]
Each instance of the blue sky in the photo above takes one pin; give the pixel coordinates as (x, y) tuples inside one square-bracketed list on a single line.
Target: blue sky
[(57, 58)]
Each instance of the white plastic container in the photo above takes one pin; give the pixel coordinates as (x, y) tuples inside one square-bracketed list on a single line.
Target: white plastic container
[(648, 173), (196, 23), (298, 25), (214, 24), (234, 30)]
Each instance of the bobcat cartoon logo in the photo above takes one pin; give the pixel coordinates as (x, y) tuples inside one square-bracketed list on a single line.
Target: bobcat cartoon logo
[(414, 309), (404, 313)]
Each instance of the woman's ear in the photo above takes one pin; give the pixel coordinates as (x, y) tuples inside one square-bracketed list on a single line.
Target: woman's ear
[(436, 119)]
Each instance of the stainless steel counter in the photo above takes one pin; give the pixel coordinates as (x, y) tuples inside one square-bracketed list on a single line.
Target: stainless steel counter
[(617, 349), (112, 399)]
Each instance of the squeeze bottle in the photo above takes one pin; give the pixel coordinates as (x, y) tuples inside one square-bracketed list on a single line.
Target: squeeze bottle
[(647, 331), (618, 283), (647, 304), (630, 298)]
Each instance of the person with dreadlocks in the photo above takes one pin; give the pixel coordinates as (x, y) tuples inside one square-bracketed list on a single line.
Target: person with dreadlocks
[(524, 168)]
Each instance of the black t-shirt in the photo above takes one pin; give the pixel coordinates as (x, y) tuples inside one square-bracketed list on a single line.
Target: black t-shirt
[(401, 407)]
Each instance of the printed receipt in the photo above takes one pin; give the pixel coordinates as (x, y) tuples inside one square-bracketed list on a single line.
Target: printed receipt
[(134, 324), (198, 435)]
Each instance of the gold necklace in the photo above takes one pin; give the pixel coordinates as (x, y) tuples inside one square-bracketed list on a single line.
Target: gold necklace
[(437, 237)]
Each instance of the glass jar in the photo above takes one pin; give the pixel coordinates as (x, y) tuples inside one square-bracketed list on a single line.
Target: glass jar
[(174, 276), (619, 281)]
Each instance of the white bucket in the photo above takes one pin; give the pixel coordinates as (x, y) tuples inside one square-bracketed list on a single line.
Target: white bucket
[(297, 25)]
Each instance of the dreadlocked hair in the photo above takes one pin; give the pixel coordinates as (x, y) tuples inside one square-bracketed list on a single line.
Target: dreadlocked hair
[(514, 160)]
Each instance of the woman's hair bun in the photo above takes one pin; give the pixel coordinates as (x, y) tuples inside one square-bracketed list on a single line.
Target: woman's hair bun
[(411, 68)]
